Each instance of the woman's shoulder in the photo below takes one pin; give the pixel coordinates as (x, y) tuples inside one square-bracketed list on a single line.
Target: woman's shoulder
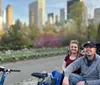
[(81, 55), (67, 56)]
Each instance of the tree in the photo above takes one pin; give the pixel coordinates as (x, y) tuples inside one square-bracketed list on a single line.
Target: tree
[(14, 37), (98, 34), (47, 40), (4, 42), (34, 31), (1, 33), (48, 28), (19, 36), (77, 13), (92, 32)]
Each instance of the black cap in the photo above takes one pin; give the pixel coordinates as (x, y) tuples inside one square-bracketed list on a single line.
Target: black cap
[(90, 43)]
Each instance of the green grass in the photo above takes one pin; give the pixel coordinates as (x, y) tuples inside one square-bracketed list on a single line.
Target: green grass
[(32, 54)]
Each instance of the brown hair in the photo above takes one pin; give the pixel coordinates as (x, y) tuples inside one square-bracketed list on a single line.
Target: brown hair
[(75, 42)]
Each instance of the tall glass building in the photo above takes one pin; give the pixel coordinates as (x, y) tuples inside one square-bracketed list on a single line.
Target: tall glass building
[(0, 7), (37, 13)]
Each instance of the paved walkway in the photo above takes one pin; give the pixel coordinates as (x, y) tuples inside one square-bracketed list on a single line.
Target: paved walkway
[(29, 66), (32, 81)]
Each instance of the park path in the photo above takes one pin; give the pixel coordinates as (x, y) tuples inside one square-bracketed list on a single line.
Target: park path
[(28, 66)]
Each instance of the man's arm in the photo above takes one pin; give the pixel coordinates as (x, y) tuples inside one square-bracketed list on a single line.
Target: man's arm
[(73, 66), (97, 81)]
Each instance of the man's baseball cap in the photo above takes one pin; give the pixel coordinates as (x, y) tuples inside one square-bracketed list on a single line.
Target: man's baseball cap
[(90, 43)]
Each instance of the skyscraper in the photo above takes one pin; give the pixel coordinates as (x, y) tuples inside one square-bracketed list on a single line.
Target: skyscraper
[(37, 13), (51, 18), (57, 18), (1, 23), (31, 16), (1, 15), (4, 19), (9, 16), (33, 10), (62, 15), (97, 16), (0, 7)]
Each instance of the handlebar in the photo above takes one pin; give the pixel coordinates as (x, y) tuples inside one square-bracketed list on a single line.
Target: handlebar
[(5, 72), (11, 70), (8, 70)]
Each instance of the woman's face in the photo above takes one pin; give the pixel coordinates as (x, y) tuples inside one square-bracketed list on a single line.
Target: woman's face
[(73, 48)]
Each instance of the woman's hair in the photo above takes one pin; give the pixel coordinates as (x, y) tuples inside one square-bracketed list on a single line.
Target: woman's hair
[(75, 42)]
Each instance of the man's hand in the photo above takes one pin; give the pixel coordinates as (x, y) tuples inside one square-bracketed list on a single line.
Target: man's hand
[(81, 83), (65, 81)]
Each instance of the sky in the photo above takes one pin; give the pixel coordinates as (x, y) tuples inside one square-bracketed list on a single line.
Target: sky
[(20, 7)]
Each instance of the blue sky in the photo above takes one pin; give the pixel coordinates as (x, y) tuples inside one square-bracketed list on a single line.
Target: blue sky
[(20, 7)]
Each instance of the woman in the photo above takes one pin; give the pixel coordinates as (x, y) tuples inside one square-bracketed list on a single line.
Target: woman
[(72, 55)]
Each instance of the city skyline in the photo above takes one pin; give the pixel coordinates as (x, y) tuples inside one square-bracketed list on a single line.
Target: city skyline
[(54, 6)]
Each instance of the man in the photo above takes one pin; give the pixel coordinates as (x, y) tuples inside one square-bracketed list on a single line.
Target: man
[(90, 68)]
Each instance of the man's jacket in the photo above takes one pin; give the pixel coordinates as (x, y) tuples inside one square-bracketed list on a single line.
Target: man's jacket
[(90, 73)]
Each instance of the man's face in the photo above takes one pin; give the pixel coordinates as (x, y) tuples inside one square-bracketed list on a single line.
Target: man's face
[(89, 50)]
